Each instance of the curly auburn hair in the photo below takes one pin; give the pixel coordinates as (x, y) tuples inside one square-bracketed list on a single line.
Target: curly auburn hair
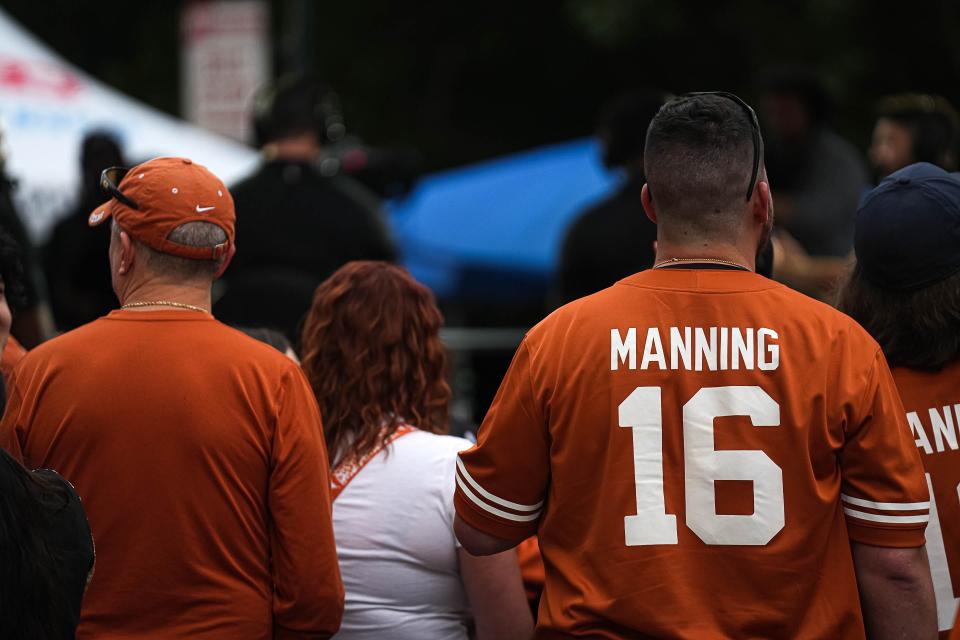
[(372, 353)]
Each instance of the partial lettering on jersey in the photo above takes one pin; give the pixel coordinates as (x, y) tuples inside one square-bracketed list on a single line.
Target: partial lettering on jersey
[(939, 422), (697, 349)]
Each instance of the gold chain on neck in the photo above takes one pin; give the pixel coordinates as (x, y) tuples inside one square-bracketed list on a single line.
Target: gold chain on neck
[(163, 303), (672, 261)]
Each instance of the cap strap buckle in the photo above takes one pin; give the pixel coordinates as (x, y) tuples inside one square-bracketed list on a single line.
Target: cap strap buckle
[(219, 250)]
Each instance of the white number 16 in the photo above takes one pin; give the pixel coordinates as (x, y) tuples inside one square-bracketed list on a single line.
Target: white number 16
[(703, 464)]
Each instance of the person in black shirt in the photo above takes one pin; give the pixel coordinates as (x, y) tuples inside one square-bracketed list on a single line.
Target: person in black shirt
[(33, 323), (817, 176), (78, 275), (614, 238), (302, 219)]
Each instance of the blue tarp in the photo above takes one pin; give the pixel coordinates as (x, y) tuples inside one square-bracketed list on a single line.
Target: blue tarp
[(476, 230)]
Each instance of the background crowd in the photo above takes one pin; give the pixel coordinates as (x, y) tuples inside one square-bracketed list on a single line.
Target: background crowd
[(437, 91), (333, 217)]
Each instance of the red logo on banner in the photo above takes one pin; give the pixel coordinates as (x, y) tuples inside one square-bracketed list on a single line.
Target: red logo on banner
[(30, 76)]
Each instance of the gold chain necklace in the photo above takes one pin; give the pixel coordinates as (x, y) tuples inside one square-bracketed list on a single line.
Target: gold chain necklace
[(163, 303), (673, 261)]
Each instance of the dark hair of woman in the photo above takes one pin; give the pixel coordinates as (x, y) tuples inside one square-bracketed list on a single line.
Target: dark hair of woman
[(34, 599), (918, 329), (372, 353), (11, 270)]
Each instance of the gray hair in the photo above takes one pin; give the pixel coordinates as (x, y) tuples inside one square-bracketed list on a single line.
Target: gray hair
[(191, 234)]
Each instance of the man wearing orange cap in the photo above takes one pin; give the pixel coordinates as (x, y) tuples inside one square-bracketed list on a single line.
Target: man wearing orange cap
[(198, 451)]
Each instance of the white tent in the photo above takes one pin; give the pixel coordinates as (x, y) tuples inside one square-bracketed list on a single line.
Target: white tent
[(46, 107)]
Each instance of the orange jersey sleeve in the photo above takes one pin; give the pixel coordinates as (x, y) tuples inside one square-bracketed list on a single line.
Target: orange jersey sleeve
[(884, 495), (502, 482), (304, 557)]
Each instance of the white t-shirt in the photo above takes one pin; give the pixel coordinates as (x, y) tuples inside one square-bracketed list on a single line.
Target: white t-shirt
[(397, 549)]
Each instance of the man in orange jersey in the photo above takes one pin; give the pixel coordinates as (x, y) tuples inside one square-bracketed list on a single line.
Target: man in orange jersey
[(197, 450), (905, 291), (703, 452)]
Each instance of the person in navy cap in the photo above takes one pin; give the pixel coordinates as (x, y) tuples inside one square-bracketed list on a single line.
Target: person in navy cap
[(905, 291)]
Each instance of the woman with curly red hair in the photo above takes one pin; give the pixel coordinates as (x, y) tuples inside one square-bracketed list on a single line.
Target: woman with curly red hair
[(372, 353)]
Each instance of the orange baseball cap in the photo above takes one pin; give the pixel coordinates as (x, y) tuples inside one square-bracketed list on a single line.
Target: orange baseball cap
[(154, 198)]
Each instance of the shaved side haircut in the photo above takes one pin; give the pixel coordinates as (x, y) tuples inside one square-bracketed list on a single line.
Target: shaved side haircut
[(698, 159)]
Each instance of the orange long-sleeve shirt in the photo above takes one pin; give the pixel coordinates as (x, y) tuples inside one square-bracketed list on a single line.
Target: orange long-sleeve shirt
[(199, 455)]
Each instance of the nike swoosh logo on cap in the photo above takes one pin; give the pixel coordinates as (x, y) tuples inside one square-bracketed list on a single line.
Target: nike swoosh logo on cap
[(202, 209)]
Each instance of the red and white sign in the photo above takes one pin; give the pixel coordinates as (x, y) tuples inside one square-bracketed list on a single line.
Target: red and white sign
[(225, 60), (46, 108), (37, 76)]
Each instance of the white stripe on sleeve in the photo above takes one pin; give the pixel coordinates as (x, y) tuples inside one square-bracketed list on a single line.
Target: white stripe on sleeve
[(492, 498), (873, 517), (497, 512), (885, 506)]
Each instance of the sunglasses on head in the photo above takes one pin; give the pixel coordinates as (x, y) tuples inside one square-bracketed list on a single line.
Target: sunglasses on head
[(109, 179), (754, 127)]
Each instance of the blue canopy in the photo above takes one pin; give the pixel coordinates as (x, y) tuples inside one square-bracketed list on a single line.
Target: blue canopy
[(495, 228)]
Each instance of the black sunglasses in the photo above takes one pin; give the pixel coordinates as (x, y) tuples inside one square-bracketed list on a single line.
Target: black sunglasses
[(754, 126), (109, 179)]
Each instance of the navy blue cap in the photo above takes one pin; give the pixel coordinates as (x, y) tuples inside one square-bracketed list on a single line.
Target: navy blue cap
[(908, 228)]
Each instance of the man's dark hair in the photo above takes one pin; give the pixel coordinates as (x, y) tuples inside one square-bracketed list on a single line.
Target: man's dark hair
[(932, 122), (11, 270), (297, 104), (623, 125), (918, 329), (698, 160)]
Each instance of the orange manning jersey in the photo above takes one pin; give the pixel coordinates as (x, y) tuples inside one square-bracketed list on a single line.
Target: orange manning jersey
[(932, 403), (696, 449)]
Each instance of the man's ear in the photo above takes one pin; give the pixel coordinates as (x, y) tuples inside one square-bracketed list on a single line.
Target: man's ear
[(762, 203), (232, 251), (127, 253), (647, 201)]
